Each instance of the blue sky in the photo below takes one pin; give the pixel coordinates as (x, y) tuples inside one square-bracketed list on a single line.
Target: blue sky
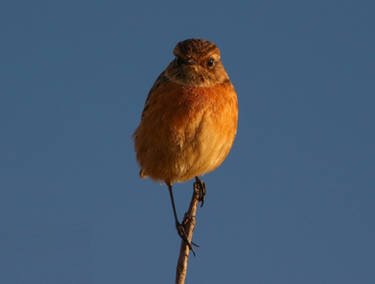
[(293, 202)]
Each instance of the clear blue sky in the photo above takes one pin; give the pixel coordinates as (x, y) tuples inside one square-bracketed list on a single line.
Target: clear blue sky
[(293, 202)]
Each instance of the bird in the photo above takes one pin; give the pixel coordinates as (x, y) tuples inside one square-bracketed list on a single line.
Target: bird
[(189, 120)]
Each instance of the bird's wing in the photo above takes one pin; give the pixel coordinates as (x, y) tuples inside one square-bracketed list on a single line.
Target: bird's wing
[(159, 81)]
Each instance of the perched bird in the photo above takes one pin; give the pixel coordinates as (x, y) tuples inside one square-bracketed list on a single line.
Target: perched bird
[(189, 120)]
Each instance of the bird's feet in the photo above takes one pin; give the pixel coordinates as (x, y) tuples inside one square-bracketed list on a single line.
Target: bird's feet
[(182, 233), (200, 188)]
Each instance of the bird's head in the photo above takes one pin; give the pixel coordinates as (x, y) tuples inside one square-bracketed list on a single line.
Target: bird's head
[(197, 63)]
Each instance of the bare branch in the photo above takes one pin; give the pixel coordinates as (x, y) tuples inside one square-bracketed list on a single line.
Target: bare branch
[(189, 224)]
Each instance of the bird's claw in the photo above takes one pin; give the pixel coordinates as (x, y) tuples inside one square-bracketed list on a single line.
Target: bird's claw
[(182, 233), (200, 188)]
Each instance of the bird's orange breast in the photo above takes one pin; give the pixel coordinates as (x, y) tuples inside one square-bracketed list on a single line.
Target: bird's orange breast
[(186, 131)]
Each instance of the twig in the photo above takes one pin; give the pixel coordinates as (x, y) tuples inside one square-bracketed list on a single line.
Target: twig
[(189, 224)]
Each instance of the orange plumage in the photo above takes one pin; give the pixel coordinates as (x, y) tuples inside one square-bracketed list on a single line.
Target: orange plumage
[(190, 117), (189, 120)]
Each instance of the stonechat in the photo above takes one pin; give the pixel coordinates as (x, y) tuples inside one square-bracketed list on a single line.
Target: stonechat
[(189, 120)]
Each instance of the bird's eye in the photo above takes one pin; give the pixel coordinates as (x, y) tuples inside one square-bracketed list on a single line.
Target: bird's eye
[(210, 62)]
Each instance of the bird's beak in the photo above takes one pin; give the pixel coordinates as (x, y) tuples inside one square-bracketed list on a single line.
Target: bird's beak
[(191, 61)]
